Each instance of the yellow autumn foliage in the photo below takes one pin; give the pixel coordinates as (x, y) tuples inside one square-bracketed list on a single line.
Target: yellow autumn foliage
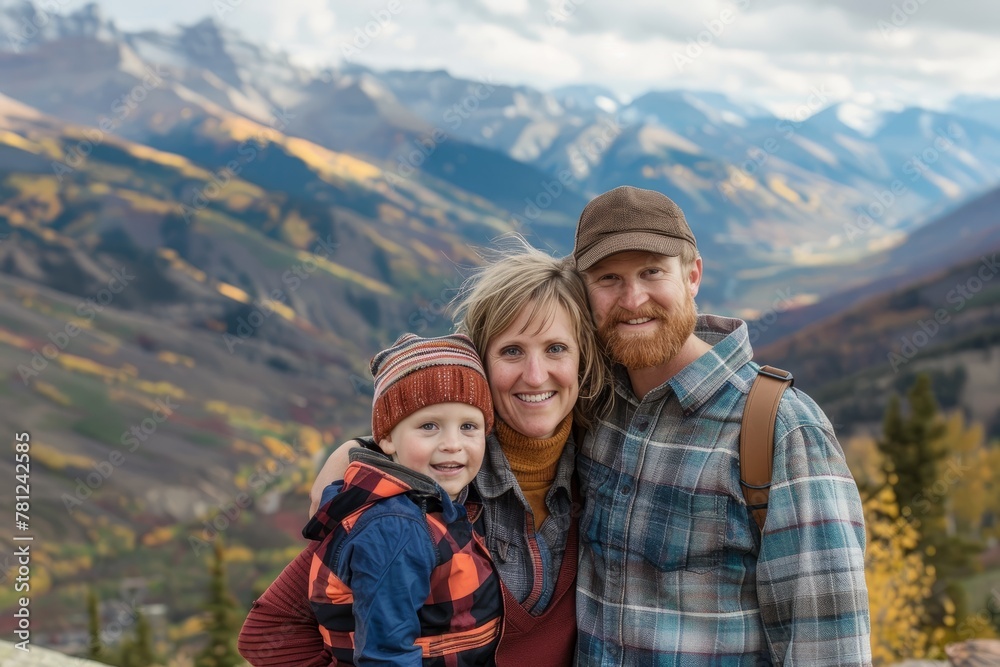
[(56, 459), (191, 627), (233, 292), (218, 407), (391, 214), (89, 367), (279, 308), (249, 447), (240, 416), (278, 448), (145, 203), (899, 582), (344, 273), (296, 231), (37, 194), (158, 536), (969, 474), (161, 389), (240, 202), (310, 440), (69, 567), (180, 265), (175, 359), (51, 392), (17, 141), (12, 339), (238, 554)]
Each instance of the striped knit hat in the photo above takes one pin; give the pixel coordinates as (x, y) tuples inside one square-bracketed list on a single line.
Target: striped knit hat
[(416, 372)]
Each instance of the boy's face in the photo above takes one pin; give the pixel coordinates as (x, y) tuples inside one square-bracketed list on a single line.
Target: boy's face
[(445, 441)]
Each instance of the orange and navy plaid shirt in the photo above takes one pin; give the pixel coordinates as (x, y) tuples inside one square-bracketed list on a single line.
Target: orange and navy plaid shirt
[(400, 576)]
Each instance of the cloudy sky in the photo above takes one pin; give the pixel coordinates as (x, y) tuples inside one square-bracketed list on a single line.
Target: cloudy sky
[(777, 52)]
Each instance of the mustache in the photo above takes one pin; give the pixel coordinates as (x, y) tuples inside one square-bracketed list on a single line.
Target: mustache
[(619, 314)]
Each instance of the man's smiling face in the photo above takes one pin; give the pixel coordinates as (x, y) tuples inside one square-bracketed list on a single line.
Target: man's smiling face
[(643, 306)]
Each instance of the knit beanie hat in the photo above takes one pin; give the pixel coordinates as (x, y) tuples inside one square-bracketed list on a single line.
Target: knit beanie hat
[(416, 372)]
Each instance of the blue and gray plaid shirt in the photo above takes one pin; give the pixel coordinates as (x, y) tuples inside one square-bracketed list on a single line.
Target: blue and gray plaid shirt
[(672, 569)]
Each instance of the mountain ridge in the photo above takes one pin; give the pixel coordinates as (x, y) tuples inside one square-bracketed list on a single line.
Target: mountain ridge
[(751, 170)]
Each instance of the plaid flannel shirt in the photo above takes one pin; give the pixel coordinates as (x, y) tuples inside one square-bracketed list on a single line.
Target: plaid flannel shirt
[(528, 562), (673, 570)]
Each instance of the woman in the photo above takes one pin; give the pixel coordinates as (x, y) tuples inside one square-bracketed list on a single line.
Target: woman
[(527, 314)]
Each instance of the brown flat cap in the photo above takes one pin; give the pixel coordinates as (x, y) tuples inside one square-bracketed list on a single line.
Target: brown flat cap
[(628, 218)]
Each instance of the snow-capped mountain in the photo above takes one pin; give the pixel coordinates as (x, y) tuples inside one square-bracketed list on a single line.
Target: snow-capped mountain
[(763, 188)]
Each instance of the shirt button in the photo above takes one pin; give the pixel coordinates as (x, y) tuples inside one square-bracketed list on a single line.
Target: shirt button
[(626, 489), (642, 424)]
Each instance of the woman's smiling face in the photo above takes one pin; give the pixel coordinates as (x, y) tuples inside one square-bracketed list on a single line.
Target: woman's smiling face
[(534, 372)]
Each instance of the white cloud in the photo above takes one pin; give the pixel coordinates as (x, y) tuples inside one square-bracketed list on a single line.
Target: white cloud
[(772, 51), (507, 7), (305, 22)]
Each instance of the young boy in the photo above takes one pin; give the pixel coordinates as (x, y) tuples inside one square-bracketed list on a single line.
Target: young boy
[(399, 576)]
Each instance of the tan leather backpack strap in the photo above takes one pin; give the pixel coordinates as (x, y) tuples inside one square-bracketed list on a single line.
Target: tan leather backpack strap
[(757, 438)]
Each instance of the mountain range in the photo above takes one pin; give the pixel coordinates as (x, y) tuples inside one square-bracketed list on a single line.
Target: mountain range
[(747, 179), (202, 243)]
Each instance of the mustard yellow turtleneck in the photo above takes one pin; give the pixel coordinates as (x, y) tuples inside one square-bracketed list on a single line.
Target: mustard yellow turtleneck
[(533, 462)]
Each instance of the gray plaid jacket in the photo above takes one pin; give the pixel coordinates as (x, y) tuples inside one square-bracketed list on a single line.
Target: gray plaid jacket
[(528, 559)]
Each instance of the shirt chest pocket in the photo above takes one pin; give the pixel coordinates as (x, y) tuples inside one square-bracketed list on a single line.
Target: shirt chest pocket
[(675, 529)]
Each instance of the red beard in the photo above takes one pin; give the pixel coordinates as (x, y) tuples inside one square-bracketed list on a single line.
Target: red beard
[(644, 350)]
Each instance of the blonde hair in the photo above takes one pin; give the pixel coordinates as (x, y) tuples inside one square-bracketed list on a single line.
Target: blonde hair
[(492, 298)]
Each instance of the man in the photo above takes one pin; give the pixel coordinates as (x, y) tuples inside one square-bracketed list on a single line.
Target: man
[(673, 569)]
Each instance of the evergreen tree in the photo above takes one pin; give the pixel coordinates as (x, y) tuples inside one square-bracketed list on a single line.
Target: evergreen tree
[(127, 654), (144, 641), (137, 651), (914, 451), (915, 448), (95, 650), (224, 617)]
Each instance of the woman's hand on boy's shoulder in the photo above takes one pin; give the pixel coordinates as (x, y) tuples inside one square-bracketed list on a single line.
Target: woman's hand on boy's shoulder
[(334, 469)]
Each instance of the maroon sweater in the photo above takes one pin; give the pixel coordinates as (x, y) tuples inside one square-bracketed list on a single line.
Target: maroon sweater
[(281, 628), (548, 639)]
